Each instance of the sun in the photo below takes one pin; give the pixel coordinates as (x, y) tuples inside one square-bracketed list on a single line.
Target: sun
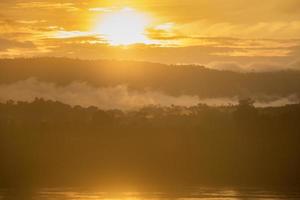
[(123, 27)]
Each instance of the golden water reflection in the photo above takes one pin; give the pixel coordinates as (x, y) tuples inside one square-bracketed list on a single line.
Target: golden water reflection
[(198, 194)]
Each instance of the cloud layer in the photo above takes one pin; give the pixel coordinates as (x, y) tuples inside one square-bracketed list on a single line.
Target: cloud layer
[(188, 31)]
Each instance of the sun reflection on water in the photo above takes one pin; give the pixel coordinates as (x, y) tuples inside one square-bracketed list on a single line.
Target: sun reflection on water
[(199, 194)]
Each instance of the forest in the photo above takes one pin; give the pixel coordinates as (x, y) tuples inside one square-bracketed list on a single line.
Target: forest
[(48, 143)]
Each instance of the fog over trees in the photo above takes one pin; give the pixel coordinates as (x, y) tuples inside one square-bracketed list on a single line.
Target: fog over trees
[(58, 141)]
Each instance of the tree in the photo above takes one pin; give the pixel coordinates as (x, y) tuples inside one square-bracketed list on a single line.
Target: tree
[(245, 111)]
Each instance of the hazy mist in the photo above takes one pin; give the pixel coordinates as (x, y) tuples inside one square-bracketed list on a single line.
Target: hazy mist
[(117, 97)]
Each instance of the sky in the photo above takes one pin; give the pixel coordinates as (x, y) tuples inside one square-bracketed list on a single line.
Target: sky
[(238, 35)]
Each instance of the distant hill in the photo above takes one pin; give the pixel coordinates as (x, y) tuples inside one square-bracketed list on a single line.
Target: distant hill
[(172, 79)]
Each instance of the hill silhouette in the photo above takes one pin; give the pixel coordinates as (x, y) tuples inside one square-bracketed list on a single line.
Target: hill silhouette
[(171, 79)]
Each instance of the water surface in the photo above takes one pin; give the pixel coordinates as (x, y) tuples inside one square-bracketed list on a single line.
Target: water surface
[(185, 194)]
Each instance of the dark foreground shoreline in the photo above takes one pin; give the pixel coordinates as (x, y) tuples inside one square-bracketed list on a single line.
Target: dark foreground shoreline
[(50, 144)]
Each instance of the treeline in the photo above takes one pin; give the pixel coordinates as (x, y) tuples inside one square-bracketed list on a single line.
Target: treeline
[(171, 79), (47, 143)]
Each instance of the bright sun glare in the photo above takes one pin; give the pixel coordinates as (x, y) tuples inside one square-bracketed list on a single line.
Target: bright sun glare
[(123, 27)]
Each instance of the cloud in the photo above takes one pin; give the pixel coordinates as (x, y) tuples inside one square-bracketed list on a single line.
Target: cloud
[(7, 44), (62, 34), (254, 66), (101, 9), (213, 52), (188, 32), (275, 102), (226, 66), (117, 97), (31, 21), (157, 34), (70, 7), (258, 29)]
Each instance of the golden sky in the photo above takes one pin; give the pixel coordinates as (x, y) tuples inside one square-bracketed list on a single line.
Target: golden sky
[(228, 33)]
